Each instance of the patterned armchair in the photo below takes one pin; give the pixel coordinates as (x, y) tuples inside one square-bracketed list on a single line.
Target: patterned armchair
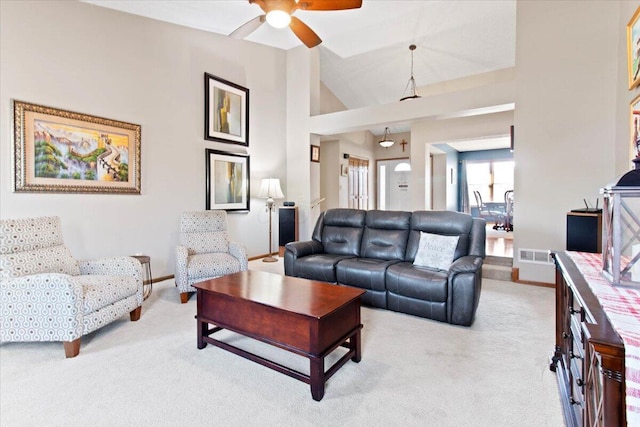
[(47, 295), (205, 251)]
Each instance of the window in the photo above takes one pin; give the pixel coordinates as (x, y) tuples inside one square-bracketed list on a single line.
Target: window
[(491, 178)]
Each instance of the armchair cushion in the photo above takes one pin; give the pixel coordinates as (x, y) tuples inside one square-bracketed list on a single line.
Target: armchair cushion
[(56, 259), (204, 266)]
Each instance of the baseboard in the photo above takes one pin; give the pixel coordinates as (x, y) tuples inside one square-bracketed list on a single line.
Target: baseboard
[(515, 278), (253, 258), (161, 279)]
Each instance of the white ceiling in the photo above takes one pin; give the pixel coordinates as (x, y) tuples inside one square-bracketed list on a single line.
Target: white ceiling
[(365, 58)]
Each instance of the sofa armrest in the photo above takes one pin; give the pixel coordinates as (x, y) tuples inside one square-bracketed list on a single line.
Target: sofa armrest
[(295, 250), (465, 283), (239, 251), (466, 264), (112, 266), (47, 305), (301, 249)]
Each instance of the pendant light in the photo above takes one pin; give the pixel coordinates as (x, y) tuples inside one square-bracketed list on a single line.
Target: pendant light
[(412, 81), (386, 141)]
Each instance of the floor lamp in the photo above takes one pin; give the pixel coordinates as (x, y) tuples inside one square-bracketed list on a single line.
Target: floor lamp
[(270, 190)]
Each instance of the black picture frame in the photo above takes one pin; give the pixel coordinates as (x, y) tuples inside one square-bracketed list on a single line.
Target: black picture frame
[(227, 181), (315, 153), (226, 111)]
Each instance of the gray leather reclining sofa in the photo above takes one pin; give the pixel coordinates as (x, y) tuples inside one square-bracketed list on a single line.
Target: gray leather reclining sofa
[(374, 250)]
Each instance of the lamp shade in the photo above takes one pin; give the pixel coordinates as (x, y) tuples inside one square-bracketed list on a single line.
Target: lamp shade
[(270, 189), (386, 141)]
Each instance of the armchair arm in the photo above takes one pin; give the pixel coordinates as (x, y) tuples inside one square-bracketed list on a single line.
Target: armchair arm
[(112, 266), (295, 250), (182, 280), (239, 251), (41, 307)]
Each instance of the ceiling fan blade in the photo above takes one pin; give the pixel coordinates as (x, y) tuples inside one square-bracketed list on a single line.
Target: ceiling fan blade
[(328, 4), (248, 27), (304, 33)]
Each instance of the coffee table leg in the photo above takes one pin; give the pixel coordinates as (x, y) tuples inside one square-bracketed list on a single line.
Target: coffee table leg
[(355, 343), (202, 327), (317, 378)]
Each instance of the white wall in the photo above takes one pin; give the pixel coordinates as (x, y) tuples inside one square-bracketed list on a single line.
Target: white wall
[(96, 61), (567, 78)]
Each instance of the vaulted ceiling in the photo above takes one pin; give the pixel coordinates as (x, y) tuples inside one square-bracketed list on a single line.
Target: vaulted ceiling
[(364, 56)]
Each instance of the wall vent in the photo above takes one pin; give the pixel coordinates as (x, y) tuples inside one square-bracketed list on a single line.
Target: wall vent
[(535, 256)]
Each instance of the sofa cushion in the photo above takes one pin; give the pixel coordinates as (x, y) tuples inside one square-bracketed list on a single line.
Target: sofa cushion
[(436, 251), (385, 235), (342, 231), (365, 273), (318, 267), (440, 222), (420, 283)]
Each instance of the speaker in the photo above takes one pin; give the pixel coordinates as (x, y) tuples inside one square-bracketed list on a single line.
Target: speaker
[(287, 226), (584, 232)]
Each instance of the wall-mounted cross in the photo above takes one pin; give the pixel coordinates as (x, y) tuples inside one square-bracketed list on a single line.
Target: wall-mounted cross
[(403, 143)]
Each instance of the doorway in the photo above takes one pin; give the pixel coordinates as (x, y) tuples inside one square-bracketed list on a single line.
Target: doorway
[(358, 183), (393, 184)]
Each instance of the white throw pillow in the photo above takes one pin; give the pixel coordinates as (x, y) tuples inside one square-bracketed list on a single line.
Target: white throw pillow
[(436, 251)]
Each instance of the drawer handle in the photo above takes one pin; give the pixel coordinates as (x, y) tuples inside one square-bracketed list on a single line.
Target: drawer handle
[(579, 382), (566, 335), (578, 311), (574, 356), (574, 401)]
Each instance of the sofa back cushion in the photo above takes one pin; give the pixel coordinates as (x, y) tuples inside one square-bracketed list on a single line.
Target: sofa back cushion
[(385, 235), (33, 246), (342, 231), (447, 223)]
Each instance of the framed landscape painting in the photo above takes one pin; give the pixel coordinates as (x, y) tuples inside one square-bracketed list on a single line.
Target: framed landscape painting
[(227, 181), (633, 49), (62, 151), (226, 111)]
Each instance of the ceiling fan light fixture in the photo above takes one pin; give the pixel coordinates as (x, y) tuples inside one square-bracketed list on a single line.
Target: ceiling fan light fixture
[(278, 18), (386, 139)]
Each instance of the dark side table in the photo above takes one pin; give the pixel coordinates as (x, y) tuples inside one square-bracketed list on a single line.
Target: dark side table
[(147, 282)]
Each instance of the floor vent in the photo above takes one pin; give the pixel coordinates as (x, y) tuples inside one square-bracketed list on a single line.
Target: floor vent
[(535, 256)]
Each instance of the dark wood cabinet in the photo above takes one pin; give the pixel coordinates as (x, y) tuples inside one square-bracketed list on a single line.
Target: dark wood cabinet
[(588, 358), (287, 226)]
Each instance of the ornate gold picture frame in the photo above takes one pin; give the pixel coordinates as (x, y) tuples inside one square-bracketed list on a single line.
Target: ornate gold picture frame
[(61, 151), (633, 49)]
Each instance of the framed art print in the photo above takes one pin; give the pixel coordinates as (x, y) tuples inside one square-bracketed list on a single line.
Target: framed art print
[(226, 111), (61, 151), (227, 177), (315, 153), (633, 49)]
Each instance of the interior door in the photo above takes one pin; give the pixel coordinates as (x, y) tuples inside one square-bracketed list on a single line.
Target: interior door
[(393, 185)]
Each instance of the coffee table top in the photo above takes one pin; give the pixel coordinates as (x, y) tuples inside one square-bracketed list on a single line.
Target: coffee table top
[(308, 297)]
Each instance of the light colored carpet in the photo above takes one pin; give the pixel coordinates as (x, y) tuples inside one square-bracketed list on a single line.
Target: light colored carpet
[(414, 372)]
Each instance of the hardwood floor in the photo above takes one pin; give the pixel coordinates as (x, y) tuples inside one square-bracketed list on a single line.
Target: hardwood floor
[(499, 242)]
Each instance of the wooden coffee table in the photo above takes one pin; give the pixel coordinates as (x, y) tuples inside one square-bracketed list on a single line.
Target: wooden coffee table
[(305, 317)]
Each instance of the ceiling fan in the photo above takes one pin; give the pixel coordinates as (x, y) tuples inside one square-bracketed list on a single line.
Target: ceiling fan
[(279, 14)]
